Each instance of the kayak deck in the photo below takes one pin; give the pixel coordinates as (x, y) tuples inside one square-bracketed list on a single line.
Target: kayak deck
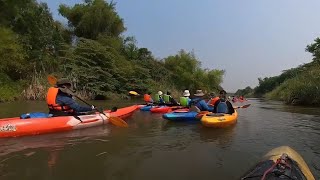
[(270, 167), (219, 120)]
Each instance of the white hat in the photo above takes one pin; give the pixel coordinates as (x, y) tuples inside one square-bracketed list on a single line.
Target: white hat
[(160, 92), (199, 93), (186, 93)]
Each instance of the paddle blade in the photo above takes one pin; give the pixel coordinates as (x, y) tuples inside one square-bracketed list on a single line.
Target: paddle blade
[(202, 113), (133, 93), (118, 122), (52, 80), (245, 106)]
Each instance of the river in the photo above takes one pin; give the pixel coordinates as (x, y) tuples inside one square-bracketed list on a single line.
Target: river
[(153, 148)]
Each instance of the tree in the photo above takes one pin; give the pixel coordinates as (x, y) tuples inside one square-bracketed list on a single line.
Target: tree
[(12, 55), (314, 49), (93, 18)]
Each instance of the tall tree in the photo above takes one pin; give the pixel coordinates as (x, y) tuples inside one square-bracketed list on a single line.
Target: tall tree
[(93, 18)]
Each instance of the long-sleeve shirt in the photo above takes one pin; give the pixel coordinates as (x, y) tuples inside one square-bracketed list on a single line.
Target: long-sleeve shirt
[(201, 104), (65, 99)]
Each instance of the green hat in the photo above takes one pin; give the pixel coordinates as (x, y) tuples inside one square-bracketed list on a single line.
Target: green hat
[(63, 81)]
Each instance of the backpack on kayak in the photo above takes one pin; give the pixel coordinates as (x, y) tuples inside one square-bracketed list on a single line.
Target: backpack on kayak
[(35, 115)]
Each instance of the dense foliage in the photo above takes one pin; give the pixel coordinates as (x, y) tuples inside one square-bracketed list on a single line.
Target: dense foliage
[(299, 86), (91, 50)]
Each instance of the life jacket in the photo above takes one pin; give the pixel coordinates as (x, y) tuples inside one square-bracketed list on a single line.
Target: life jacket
[(184, 101), (222, 107), (51, 101), (213, 101), (147, 98), (166, 98)]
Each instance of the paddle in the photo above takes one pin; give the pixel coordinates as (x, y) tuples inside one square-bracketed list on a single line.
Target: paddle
[(134, 93), (244, 106), (113, 119)]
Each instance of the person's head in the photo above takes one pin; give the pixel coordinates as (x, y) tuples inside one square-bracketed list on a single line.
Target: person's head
[(65, 85), (199, 93), (212, 95), (222, 94), (149, 93), (168, 93), (160, 93), (186, 93), (64, 82)]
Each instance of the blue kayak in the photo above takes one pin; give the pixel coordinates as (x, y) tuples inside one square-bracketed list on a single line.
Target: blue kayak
[(146, 108), (181, 116)]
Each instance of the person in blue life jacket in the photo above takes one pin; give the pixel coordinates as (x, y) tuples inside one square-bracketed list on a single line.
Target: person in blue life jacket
[(60, 101), (199, 102), (223, 105), (159, 98)]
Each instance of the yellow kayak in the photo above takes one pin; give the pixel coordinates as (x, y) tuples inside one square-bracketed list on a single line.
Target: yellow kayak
[(280, 163), (218, 120)]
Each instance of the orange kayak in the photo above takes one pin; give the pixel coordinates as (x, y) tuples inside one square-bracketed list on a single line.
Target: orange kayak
[(14, 127)]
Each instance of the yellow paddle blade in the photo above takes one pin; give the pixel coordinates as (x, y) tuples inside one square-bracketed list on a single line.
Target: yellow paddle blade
[(118, 122), (52, 80), (133, 93)]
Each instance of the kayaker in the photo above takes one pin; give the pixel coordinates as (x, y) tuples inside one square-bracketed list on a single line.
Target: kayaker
[(60, 101), (213, 99), (147, 98), (223, 105), (185, 100), (159, 99), (169, 100), (199, 102)]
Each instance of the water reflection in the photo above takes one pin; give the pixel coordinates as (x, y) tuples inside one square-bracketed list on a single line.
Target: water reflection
[(154, 148)]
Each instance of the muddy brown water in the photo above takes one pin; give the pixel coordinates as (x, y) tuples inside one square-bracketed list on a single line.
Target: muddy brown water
[(153, 148)]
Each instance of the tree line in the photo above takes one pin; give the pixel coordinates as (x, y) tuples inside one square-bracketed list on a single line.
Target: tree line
[(299, 86), (91, 50)]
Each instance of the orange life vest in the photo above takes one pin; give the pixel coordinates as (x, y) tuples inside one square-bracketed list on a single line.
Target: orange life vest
[(147, 98), (213, 101), (51, 101)]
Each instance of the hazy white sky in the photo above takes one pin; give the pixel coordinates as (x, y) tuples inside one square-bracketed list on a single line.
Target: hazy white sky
[(247, 38)]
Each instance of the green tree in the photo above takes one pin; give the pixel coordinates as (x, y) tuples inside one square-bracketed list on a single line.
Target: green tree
[(12, 55), (92, 67), (93, 18), (314, 49)]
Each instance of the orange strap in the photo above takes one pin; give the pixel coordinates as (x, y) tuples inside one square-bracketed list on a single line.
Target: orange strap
[(213, 101)]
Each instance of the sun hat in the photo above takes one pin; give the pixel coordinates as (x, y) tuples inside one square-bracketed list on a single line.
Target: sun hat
[(186, 93), (199, 93), (160, 92), (63, 81)]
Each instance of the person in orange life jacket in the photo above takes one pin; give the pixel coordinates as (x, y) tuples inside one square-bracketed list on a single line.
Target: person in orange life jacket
[(223, 105), (213, 99), (171, 100), (60, 101), (147, 98), (199, 102)]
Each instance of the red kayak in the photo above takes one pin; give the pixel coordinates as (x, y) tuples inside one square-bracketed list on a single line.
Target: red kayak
[(166, 109), (161, 109), (13, 127)]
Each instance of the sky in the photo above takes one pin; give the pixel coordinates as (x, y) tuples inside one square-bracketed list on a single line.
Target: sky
[(248, 38)]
